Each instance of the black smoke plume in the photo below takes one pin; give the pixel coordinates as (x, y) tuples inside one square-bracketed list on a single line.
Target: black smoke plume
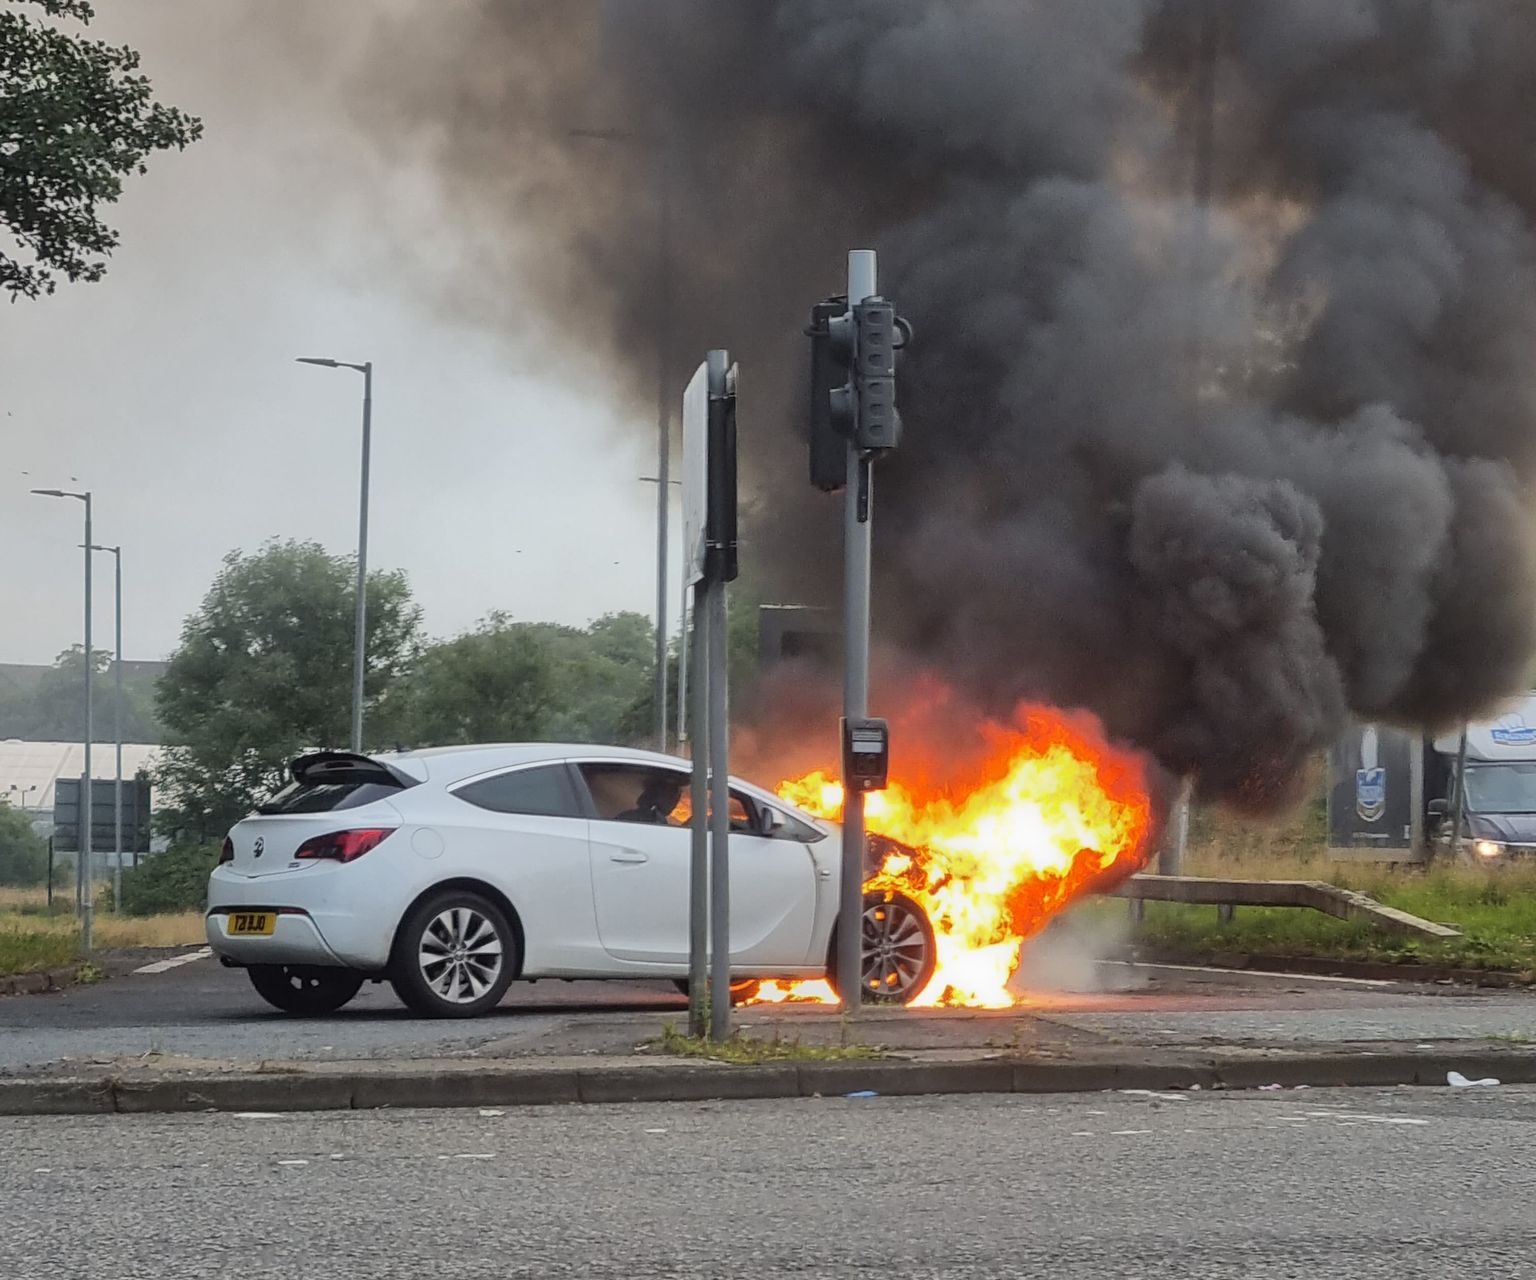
[(1219, 419)]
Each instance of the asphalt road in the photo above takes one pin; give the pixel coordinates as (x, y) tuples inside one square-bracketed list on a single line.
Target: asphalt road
[(1317, 1184), (200, 1010)]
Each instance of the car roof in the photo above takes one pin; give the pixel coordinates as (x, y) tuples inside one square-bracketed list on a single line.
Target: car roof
[(447, 765)]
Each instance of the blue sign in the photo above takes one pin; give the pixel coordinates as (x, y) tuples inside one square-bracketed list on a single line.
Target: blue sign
[(1512, 731), (1370, 794)]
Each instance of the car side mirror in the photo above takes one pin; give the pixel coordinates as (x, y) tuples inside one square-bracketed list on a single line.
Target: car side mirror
[(1439, 808), (773, 821)]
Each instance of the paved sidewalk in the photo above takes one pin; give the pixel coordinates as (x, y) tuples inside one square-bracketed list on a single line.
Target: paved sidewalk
[(1165, 1029)]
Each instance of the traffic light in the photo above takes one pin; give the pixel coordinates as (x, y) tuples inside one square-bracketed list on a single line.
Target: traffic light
[(829, 448), (853, 384)]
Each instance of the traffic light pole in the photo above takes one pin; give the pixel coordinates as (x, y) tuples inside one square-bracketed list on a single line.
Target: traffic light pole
[(858, 502)]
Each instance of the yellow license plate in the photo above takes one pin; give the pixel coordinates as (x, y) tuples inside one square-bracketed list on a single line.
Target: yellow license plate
[(252, 924)]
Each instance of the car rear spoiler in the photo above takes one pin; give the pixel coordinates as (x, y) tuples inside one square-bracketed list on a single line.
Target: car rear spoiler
[(345, 767)]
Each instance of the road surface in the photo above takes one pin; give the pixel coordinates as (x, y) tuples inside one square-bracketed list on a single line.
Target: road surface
[(1319, 1184), (199, 1010)]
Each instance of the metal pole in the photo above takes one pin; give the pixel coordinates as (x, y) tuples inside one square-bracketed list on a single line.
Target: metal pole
[(117, 724), (1170, 858), (698, 867), (858, 502), (1459, 809), (719, 825), (360, 654), (663, 429), (84, 878), (718, 693), (682, 670)]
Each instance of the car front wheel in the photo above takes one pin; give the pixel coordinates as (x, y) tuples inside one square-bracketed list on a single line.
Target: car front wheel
[(454, 957), (304, 989), (899, 953)]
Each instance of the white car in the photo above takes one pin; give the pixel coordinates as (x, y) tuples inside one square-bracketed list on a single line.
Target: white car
[(453, 872)]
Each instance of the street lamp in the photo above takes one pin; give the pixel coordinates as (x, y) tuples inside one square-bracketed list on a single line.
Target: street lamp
[(83, 876), (117, 732), (661, 158), (682, 655), (360, 653)]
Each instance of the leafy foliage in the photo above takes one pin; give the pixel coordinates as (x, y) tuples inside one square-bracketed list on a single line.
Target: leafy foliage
[(264, 673), (176, 880), (23, 853), (75, 118)]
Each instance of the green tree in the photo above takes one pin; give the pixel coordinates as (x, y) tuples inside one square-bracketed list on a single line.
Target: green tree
[(264, 673), (23, 853), (76, 117), (601, 674), (494, 684)]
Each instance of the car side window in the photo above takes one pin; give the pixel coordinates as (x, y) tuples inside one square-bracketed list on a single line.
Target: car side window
[(636, 793), (743, 813), (542, 791)]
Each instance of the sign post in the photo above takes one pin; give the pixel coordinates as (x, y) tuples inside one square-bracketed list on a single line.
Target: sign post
[(709, 532)]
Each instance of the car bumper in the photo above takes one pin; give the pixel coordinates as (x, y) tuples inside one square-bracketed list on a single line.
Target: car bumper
[(295, 939), (320, 920)]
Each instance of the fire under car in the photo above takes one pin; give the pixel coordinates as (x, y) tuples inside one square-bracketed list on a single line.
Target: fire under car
[(452, 873)]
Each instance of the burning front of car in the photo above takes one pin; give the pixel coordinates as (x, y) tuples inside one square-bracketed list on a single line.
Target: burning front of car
[(992, 845)]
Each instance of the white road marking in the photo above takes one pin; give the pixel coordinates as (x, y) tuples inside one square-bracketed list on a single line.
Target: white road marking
[(293, 1163), (1352, 1117), (1260, 973), (163, 966), (1128, 1133)]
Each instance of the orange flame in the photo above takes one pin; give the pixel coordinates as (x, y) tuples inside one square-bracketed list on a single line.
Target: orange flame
[(1052, 811)]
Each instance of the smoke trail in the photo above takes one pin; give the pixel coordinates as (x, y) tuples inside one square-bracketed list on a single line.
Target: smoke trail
[(1220, 476)]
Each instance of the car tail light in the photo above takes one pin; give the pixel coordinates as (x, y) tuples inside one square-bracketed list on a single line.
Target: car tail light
[(344, 846), (227, 853)]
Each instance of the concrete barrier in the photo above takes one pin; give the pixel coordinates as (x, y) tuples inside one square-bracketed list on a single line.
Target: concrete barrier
[(1343, 904)]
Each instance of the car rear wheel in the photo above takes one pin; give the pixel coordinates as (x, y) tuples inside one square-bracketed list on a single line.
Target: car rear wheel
[(304, 989), (454, 956), (899, 951), (742, 990)]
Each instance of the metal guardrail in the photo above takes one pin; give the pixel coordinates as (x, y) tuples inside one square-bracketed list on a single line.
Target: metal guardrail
[(1344, 904)]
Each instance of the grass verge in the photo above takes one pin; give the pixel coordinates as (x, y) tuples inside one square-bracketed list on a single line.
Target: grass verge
[(34, 938), (1495, 910), (744, 1050)]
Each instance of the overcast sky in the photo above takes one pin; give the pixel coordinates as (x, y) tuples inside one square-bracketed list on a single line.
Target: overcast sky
[(169, 389)]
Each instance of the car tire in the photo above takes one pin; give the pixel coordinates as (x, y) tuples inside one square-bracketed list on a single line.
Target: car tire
[(455, 955), (899, 950), (308, 990), (742, 990)]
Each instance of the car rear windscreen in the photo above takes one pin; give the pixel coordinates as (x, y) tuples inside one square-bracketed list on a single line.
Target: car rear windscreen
[(326, 797)]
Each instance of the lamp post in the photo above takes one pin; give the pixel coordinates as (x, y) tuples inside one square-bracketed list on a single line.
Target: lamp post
[(117, 733), (661, 159), (83, 876), (360, 649)]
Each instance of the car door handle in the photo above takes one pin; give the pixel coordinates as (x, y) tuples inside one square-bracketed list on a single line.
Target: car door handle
[(629, 855)]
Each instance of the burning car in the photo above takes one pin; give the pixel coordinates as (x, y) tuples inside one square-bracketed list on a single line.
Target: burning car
[(452, 873)]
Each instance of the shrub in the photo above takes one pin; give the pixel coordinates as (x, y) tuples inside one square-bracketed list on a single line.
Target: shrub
[(176, 880), (23, 853)]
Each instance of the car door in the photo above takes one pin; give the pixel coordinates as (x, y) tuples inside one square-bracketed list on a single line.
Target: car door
[(524, 830), (641, 857), (773, 888)]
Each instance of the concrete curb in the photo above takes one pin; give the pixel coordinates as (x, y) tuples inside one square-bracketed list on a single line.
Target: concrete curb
[(687, 1081), (38, 982)]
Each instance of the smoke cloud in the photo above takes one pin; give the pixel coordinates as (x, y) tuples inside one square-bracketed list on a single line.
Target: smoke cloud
[(1221, 470)]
